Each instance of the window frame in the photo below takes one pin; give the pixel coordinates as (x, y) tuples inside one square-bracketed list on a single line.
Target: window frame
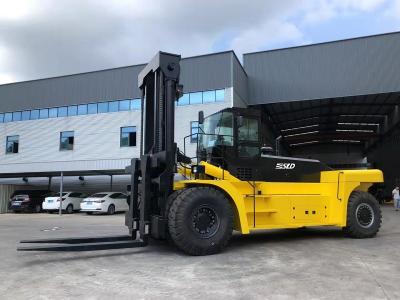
[(13, 141), (61, 138), (121, 145)]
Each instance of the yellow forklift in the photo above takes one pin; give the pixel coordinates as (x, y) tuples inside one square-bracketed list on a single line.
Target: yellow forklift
[(234, 183)]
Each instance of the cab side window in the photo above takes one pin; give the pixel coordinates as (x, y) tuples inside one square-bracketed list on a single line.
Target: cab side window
[(248, 131), (248, 137)]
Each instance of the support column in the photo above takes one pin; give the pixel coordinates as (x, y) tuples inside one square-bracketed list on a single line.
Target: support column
[(49, 184), (61, 191)]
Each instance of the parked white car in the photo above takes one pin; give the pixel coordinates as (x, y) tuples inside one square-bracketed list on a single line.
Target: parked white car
[(105, 202), (71, 201)]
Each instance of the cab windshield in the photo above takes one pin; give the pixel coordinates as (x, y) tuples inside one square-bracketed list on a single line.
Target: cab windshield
[(216, 130)]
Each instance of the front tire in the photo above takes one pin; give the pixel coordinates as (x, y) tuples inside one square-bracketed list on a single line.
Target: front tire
[(200, 221), (111, 209), (364, 215), (69, 209)]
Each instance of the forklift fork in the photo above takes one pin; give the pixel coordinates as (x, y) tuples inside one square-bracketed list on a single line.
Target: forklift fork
[(82, 244)]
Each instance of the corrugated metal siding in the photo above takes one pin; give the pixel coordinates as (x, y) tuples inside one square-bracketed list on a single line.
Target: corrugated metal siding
[(343, 68), (96, 140), (5, 193), (240, 83), (75, 89), (198, 73), (208, 72)]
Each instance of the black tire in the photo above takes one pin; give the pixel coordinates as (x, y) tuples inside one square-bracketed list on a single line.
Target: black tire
[(89, 213), (200, 221), (38, 208), (69, 209), (111, 209), (170, 200), (364, 215)]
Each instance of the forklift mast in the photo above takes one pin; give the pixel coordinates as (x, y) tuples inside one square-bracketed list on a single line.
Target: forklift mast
[(152, 174)]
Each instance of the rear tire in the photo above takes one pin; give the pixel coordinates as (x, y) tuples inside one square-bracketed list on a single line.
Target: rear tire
[(69, 209), (200, 221), (111, 209), (89, 213), (364, 215)]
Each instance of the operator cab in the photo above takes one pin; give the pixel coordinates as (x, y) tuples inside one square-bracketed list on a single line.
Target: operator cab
[(238, 140), (230, 133)]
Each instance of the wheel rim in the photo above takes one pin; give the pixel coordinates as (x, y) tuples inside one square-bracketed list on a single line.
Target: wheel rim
[(205, 222), (365, 215)]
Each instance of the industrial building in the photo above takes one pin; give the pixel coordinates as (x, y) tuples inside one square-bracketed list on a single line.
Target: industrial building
[(336, 101)]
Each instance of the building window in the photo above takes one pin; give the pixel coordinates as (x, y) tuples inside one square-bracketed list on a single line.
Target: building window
[(82, 109), (43, 113), (124, 105), (196, 98), (17, 116), (7, 117), (92, 108), (26, 115), (219, 95), (103, 107), (12, 144), (128, 136), (66, 140), (34, 114), (113, 106), (62, 111), (136, 104), (72, 110), (208, 96), (53, 113), (194, 129)]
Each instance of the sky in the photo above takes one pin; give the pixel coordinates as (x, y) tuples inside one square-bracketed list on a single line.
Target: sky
[(46, 38)]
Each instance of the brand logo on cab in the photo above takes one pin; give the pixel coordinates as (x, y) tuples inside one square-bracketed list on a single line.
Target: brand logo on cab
[(285, 166)]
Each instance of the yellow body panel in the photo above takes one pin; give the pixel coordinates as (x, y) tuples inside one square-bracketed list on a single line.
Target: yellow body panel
[(271, 205)]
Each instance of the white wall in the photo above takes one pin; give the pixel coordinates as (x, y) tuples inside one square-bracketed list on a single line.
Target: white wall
[(96, 139)]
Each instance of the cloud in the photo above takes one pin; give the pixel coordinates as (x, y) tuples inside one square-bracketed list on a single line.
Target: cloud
[(43, 38), (324, 10), (69, 36), (266, 36), (393, 11)]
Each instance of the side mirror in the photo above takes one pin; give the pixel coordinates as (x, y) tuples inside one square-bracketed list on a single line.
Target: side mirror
[(201, 117)]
